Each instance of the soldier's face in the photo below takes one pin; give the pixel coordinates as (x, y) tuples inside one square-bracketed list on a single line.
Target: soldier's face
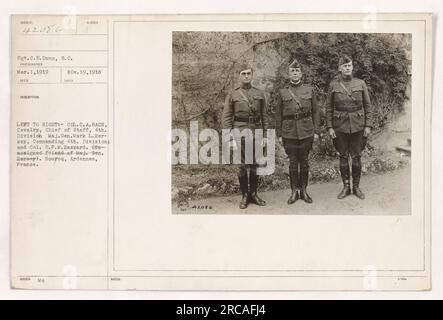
[(346, 68), (246, 76), (295, 74)]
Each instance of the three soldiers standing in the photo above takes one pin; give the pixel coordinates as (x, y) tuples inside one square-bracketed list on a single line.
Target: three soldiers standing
[(348, 120), (245, 107), (297, 124)]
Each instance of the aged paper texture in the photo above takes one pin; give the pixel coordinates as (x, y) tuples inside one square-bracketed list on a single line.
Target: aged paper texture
[(98, 200)]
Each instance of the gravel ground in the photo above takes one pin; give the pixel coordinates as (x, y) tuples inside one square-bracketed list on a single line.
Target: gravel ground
[(386, 194)]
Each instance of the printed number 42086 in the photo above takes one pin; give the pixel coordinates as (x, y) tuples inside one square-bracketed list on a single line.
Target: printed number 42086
[(253, 309)]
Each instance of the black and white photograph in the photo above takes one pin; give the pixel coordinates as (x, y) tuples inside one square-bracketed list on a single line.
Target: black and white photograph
[(291, 123), (221, 152)]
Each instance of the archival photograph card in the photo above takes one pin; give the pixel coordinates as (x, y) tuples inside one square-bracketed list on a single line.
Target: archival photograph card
[(264, 152)]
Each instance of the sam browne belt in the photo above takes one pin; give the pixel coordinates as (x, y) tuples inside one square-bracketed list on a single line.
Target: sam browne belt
[(250, 119), (298, 116)]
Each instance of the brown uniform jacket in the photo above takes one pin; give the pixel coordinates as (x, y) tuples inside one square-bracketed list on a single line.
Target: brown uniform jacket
[(350, 111), (237, 110), (287, 109)]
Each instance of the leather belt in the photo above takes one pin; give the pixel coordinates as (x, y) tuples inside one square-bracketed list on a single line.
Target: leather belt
[(250, 119), (298, 116), (348, 109)]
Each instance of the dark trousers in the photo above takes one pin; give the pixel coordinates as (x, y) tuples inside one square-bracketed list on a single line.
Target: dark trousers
[(298, 153), (350, 145), (247, 185)]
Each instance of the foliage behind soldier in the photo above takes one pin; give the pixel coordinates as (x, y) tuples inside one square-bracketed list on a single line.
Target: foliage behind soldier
[(349, 119), (297, 124)]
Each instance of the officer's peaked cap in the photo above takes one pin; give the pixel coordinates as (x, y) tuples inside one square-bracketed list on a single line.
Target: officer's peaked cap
[(344, 59)]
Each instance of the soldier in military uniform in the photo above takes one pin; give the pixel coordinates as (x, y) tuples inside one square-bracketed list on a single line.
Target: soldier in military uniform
[(349, 119), (297, 125), (245, 107)]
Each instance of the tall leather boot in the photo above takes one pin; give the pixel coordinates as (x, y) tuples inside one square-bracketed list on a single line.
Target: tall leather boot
[(253, 184), (304, 176), (244, 191), (344, 171), (293, 178), (356, 173)]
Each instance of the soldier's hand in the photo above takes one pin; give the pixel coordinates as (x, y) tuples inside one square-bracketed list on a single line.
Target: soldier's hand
[(331, 132), (280, 139), (367, 131), (316, 136), (264, 142)]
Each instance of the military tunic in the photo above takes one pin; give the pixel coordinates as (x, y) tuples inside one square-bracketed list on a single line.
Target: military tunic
[(348, 110)]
